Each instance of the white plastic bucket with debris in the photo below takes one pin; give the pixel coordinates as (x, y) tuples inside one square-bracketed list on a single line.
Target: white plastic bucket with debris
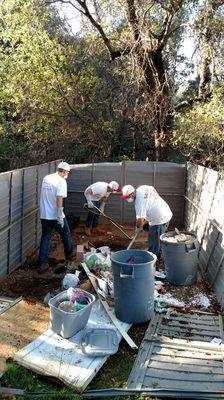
[(67, 324), (180, 251)]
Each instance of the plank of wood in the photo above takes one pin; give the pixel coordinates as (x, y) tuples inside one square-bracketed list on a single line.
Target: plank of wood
[(183, 343), (113, 318), (162, 383), (191, 325), (221, 332), (184, 376), (196, 316), (185, 330), (183, 366), (138, 370), (11, 304), (195, 357)]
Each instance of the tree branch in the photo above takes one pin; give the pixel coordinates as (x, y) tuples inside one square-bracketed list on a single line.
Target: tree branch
[(64, 2), (85, 11), (191, 101)]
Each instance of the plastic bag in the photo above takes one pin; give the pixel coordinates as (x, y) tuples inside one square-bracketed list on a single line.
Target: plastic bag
[(70, 280)]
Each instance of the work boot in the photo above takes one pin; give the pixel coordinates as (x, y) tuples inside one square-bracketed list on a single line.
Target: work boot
[(98, 230), (88, 231), (43, 268)]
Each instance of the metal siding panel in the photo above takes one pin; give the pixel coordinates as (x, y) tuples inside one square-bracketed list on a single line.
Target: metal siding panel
[(15, 246), (218, 286), (43, 170), (106, 172), (139, 173), (53, 166), (16, 193), (74, 205), (3, 254), (30, 189), (216, 212), (38, 227), (170, 177), (29, 234), (4, 199), (80, 178), (177, 205), (129, 212)]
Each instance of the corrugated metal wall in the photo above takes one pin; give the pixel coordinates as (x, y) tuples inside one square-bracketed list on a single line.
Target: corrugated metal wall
[(167, 178), (19, 214), (203, 190), (204, 214)]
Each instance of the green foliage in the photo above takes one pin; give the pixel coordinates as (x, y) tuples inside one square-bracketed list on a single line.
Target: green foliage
[(18, 377), (198, 132)]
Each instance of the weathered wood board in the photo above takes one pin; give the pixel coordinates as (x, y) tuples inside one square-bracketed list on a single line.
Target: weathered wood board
[(54, 356), (165, 361)]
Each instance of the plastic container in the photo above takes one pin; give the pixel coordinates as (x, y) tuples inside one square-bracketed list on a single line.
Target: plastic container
[(67, 324), (99, 342), (181, 259), (133, 272)]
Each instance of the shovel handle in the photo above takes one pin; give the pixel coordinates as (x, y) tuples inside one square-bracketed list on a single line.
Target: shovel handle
[(133, 240)]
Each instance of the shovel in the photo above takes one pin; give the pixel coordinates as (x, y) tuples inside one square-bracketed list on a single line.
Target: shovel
[(132, 241), (113, 222)]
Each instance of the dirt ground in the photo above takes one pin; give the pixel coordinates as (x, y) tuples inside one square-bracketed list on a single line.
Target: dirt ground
[(31, 316)]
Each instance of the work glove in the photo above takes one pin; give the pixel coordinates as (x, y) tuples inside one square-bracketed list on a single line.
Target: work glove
[(90, 204), (102, 206), (138, 230), (60, 217)]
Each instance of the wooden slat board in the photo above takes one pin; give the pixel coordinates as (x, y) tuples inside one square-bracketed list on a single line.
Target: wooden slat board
[(51, 355), (187, 361), (7, 302)]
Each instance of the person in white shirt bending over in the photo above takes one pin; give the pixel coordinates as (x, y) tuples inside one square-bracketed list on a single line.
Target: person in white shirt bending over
[(53, 191), (97, 195), (149, 206)]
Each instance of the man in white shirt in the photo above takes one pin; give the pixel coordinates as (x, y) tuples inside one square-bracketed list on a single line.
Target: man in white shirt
[(53, 191), (97, 195), (150, 207)]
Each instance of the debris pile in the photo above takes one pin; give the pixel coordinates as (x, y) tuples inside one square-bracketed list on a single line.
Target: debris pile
[(179, 238)]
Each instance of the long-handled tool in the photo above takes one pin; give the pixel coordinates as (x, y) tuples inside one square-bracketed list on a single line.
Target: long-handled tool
[(132, 241), (110, 219)]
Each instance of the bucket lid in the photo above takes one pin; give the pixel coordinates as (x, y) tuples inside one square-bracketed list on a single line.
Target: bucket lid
[(99, 342)]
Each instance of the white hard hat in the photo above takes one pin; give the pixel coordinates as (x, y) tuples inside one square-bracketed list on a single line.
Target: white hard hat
[(114, 185), (126, 191), (64, 165)]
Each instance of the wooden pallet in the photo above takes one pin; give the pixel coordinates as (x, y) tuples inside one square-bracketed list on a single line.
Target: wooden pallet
[(54, 356), (176, 353)]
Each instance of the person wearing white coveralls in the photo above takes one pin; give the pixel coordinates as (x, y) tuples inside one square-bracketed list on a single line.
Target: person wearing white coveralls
[(149, 206), (53, 191), (97, 195)]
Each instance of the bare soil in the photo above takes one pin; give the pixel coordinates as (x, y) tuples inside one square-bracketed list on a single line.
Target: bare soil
[(27, 282), (30, 317)]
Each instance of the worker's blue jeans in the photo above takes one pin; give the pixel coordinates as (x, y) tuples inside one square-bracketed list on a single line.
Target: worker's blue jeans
[(154, 237), (92, 220), (48, 226)]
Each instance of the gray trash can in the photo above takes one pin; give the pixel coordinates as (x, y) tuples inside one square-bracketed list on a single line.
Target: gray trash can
[(133, 272), (181, 259)]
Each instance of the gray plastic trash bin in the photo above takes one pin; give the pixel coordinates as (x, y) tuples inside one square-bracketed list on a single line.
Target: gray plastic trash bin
[(67, 324), (181, 259), (133, 285)]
